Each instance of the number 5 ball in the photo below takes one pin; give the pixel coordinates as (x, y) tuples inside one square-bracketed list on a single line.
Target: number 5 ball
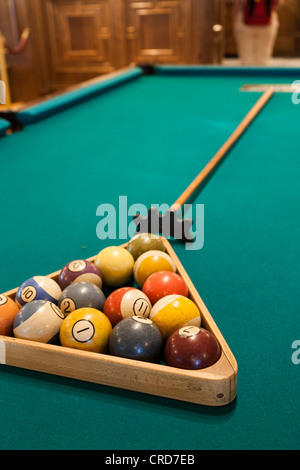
[(164, 283), (116, 265), (173, 312), (8, 311), (87, 329)]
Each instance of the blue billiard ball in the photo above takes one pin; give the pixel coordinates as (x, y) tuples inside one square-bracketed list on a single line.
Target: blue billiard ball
[(136, 338), (38, 288)]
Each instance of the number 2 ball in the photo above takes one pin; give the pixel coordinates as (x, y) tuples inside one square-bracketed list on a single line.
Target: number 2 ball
[(136, 338), (87, 329), (38, 288), (191, 348), (79, 270), (164, 283), (80, 295), (8, 311), (126, 302)]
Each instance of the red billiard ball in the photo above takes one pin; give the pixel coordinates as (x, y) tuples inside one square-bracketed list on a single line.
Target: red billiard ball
[(164, 283), (126, 302), (191, 348)]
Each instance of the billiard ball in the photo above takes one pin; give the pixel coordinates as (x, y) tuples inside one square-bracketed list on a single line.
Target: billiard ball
[(87, 329), (39, 320), (126, 302), (164, 283), (173, 312), (79, 295), (151, 262), (116, 265), (8, 311), (38, 288), (143, 242), (136, 338), (191, 348), (78, 271)]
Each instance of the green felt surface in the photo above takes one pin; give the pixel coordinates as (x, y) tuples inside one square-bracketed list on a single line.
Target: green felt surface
[(147, 140)]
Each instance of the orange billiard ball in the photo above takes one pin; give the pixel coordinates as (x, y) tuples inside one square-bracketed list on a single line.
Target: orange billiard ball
[(164, 283), (126, 302), (8, 311)]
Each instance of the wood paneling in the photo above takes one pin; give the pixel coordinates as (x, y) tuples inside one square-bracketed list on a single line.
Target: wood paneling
[(76, 40)]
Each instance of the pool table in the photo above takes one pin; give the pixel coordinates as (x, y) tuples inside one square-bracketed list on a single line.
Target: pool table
[(145, 133)]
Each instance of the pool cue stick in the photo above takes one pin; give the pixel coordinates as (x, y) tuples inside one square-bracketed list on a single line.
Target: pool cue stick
[(155, 219), (244, 124)]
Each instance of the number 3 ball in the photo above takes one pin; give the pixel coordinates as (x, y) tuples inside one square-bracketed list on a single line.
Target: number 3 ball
[(87, 329), (79, 295), (38, 288), (78, 271), (173, 312), (191, 348), (126, 302), (116, 265), (136, 338), (164, 283), (39, 320), (151, 262), (8, 311)]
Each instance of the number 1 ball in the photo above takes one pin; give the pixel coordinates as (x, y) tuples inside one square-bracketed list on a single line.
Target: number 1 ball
[(191, 348), (136, 338), (116, 265), (126, 302), (87, 329), (164, 283), (79, 270), (8, 311)]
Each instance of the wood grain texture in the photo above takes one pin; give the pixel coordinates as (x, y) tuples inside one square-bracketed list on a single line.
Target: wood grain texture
[(214, 386)]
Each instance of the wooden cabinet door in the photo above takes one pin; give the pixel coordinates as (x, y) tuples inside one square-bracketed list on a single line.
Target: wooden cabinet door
[(158, 31)]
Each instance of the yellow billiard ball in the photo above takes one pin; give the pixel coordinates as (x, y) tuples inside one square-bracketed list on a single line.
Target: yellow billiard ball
[(151, 262), (116, 265), (173, 312), (87, 329)]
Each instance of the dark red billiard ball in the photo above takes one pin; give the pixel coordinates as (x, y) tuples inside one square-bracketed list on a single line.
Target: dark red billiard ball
[(80, 270), (164, 283), (192, 348), (126, 302)]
